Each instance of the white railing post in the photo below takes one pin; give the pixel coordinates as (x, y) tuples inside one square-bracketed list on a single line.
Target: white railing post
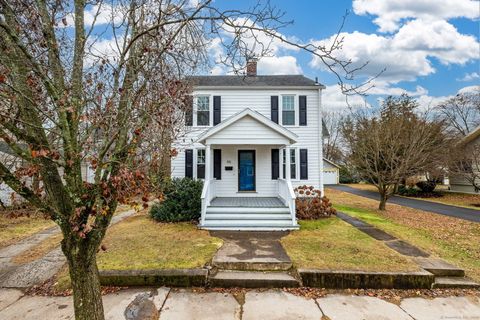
[(288, 174)]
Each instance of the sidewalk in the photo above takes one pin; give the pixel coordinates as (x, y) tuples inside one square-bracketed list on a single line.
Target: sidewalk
[(181, 304), (35, 272)]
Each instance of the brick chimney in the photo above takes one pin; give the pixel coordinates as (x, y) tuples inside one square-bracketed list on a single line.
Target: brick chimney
[(251, 67)]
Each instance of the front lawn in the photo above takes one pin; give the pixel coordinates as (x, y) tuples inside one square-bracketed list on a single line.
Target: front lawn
[(15, 229), (141, 243), (471, 201), (452, 239), (333, 244)]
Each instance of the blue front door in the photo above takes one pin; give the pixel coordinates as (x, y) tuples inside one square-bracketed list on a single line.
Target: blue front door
[(246, 170)]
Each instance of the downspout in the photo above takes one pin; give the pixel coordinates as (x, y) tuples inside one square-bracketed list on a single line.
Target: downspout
[(320, 143)]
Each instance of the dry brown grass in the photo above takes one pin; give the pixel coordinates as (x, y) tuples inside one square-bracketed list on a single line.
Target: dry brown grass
[(452, 239), (15, 229)]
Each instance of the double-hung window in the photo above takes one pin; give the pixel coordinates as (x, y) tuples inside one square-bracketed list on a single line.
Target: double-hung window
[(201, 164), (203, 111), (288, 110), (293, 164)]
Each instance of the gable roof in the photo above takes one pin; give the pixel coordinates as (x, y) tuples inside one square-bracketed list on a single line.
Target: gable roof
[(471, 136), (254, 81), (255, 115), (331, 162)]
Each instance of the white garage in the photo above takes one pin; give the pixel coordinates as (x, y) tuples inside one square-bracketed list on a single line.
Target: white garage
[(331, 173)]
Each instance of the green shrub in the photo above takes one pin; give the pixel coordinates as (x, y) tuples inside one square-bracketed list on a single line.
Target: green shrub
[(427, 186), (347, 175), (181, 202), (408, 192)]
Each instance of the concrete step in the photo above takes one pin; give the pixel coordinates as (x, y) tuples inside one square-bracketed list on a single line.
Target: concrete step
[(248, 216), (439, 267), (246, 210), (251, 279), (239, 224), (250, 228), (455, 282)]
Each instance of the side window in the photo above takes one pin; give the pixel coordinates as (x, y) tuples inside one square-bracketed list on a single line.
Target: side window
[(203, 111), (293, 164), (288, 110), (284, 164), (201, 164)]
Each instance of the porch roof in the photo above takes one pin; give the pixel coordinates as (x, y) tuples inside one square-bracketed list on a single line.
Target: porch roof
[(233, 131)]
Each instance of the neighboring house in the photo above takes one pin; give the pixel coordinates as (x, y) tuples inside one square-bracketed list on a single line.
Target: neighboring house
[(9, 197), (331, 172), (252, 139), (458, 182)]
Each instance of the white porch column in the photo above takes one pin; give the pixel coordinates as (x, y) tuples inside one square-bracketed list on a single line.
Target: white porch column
[(320, 144), (208, 164), (287, 164)]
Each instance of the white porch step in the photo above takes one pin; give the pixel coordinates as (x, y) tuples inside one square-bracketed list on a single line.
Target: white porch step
[(248, 216), (239, 228), (247, 210), (247, 223)]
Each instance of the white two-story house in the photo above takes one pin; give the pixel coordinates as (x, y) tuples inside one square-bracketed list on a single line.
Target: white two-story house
[(253, 139)]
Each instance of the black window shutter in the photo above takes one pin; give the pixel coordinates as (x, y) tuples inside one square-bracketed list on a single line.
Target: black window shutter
[(217, 110), (275, 164), (274, 108), (302, 103), (189, 163), (217, 164), (304, 164), (189, 111)]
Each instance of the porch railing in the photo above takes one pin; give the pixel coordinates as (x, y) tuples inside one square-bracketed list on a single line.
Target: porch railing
[(208, 193), (286, 193)]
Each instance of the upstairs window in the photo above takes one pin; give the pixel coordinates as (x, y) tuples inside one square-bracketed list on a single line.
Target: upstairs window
[(288, 110), (203, 111)]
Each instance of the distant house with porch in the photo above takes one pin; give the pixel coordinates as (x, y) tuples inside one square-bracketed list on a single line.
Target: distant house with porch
[(459, 182), (253, 139)]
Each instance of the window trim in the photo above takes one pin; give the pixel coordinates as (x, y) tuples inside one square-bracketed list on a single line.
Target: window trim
[(195, 111), (197, 150), (295, 110), (284, 164)]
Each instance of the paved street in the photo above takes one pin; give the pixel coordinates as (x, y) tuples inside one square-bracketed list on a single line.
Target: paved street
[(182, 304), (439, 208)]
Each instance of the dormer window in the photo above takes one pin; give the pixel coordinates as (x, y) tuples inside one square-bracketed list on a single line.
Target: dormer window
[(203, 111), (288, 110)]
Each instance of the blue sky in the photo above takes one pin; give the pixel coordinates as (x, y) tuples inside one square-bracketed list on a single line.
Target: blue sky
[(430, 49)]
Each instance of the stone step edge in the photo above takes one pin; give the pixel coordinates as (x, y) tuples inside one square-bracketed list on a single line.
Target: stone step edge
[(455, 282), (252, 279), (253, 266)]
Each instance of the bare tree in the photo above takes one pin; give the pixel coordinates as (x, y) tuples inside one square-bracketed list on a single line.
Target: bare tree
[(333, 148), (74, 98), (464, 162), (461, 113), (392, 144)]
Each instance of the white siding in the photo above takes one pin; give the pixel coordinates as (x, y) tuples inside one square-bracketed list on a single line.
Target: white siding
[(234, 101)]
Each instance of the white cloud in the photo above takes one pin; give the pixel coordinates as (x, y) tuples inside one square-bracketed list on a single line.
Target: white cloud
[(384, 88), (469, 89), (334, 100), (406, 55), (469, 77), (279, 65), (100, 14), (436, 38), (390, 13)]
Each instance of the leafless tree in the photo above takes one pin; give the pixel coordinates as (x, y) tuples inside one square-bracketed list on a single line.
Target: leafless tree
[(461, 113), (391, 144), (464, 162), (75, 98), (333, 148)]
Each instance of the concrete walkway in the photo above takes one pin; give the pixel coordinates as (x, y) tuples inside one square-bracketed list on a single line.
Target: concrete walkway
[(169, 304), (38, 271), (439, 208)]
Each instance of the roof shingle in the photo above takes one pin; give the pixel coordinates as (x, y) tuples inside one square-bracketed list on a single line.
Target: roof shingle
[(256, 81)]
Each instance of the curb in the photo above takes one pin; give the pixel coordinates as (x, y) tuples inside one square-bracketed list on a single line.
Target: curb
[(331, 279), (160, 277)]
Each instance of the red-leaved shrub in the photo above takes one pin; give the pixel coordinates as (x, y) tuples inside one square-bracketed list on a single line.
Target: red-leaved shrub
[(311, 205)]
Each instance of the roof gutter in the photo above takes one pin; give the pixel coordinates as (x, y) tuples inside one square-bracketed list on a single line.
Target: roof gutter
[(246, 87)]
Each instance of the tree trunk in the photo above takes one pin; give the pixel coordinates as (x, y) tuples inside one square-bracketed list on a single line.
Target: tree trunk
[(383, 201), (87, 298)]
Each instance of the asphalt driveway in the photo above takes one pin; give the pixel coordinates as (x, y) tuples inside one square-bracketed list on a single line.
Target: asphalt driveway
[(447, 210)]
